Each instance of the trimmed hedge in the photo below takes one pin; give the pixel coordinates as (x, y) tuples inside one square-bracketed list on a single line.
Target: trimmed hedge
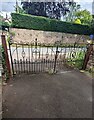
[(41, 23)]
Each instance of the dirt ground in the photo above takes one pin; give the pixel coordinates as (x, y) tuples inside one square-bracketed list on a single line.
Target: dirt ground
[(67, 94)]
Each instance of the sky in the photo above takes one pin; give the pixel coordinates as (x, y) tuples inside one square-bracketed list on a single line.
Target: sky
[(7, 6)]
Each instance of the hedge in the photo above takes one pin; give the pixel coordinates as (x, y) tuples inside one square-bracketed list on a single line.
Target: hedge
[(41, 23)]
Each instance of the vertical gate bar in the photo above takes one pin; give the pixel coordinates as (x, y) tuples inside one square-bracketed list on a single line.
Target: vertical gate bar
[(42, 59), (26, 66), (66, 56), (15, 65), (31, 51), (11, 58), (35, 53), (17, 57), (42, 52), (31, 59), (34, 66), (39, 56), (48, 63), (21, 64), (35, 49), (23, 58), (70, 52), (39, 60), (60, 59), (53, 63), (50, 58), (56, 58), (43, 65), (51, 53), (67, 47), (65, 53), (46, 56), (29, 56), (62, 54), (18, 66)]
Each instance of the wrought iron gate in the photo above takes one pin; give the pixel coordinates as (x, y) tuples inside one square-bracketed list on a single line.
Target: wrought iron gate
[(34, 58)]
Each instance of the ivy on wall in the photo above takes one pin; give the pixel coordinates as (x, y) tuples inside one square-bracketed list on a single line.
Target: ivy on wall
[(41, 23)]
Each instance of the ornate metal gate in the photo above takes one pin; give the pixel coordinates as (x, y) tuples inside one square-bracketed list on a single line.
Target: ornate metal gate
[(34, 58)]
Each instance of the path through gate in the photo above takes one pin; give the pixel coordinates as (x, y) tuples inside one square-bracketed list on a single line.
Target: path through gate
[(36, 57)]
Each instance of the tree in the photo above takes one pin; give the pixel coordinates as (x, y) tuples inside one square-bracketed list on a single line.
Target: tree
[(73, 8), (34, 8), (84, 16), (4, 21), (47, 9), (18, 9), (56, 9), (92, 24)]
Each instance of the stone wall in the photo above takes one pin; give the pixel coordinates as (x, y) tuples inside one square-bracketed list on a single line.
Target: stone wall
[(24, 35), (29, 36)]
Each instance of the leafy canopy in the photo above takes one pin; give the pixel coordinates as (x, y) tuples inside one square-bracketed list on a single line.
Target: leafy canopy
[(50, 9), (84, 16)]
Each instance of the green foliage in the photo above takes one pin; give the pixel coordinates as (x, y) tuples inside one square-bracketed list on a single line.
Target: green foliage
[(77, 61), (5, 70), (46, 24), (3, 23), (49, 9), (18, 9), (77, 21), (84, 16), (92, 25), (10, 34), (73, 8)]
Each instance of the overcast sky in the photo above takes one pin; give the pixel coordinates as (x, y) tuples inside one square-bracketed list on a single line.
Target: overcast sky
[(8, 6)]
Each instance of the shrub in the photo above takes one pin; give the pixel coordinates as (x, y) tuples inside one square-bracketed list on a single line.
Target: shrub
[(42, 23), (77, 61)]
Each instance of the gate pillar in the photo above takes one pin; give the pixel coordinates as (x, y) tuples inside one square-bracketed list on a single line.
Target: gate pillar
[(87, 55), (4, 45)]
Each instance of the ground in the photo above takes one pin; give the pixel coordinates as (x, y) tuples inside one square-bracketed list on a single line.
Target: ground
[(67, 94)]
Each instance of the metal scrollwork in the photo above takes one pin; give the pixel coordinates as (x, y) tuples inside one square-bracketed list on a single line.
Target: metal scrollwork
[(23, 54)]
